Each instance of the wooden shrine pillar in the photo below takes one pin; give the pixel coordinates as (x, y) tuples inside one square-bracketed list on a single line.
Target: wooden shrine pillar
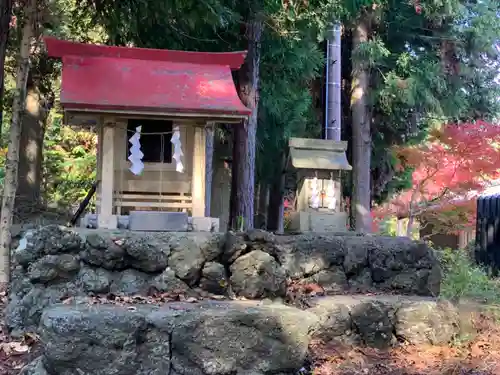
[(106, 219), (198, 175)]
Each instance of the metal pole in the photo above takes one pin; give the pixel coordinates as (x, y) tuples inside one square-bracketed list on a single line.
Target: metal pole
[(327, 88), (333, 105)]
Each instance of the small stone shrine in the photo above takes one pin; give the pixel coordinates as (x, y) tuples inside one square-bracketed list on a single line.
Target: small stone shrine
[(319, 164)]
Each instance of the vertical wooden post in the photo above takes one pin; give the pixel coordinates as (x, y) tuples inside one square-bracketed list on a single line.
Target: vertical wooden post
[(100, 137), (198, 177), (209, 158), (106, 218)]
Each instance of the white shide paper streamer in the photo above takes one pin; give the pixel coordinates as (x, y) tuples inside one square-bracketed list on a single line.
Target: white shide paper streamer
[(330, 193), (178, 154), (136, 155), (315, 198)]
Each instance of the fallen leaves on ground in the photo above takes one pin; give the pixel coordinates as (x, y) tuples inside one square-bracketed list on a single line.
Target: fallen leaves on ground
[(154, 297), (14, 354), (480, 356)]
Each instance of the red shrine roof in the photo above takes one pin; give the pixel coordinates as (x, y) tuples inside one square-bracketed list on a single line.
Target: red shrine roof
[(97, 78)]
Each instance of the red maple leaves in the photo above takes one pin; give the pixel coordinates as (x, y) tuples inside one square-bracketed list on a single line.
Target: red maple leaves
[(451, 168)]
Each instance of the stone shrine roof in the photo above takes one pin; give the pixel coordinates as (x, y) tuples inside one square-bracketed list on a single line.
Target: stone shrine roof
[(318, 154)]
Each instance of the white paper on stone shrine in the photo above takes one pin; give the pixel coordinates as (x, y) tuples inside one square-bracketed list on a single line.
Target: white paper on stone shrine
[(178, 154), (330, 194), (136, 155), (315, 195)]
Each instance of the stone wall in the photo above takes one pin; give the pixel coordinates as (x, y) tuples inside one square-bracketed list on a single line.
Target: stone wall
[(228, 337), (54, 263)]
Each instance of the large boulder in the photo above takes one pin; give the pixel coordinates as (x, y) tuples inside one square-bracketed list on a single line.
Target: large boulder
[(53, 267), (257, 275), (208, 338), (214, 279), (147, 253), (368, 262), (379, 321), (102, 251)]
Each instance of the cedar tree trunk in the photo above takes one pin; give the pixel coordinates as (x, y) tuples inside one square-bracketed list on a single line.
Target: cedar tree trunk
[(361, 133), (243, 168), (12, 160)]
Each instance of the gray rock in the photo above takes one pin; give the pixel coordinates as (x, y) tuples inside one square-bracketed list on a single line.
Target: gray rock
[(35, 367), (213, 278), (53, 267), (186, 259), (305, 255), (332, 280), (206, 338), (103, 252), (334, 319), (427, 322), (55, 239), (235, 245), (52, 239), (98, 340), (259, 235), (378, 320), (374, 320), (392, 260), (362, 282), (356, 257), (233, 338), (148, 253), (211, 244), (96, 241), (23, 313), (95, 280), (167, 282), (130, 282), (257, 275)]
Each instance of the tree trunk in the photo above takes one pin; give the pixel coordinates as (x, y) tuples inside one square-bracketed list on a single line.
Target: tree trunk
[(243, 168), (12, 160), (276, 194), (262, 205), (5, 17), (361, 133), (29, 182)]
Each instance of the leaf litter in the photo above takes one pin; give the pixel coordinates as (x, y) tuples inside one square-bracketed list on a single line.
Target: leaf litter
[(479, 356), (14, 353)]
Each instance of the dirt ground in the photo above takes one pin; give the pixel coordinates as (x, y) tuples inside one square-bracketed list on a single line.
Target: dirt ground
[(480, 355)]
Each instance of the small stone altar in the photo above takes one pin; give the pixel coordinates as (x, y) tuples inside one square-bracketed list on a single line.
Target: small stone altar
[(318, 163)]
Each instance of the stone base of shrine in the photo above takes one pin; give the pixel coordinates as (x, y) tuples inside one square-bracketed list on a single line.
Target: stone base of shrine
[(152, 221), (313, 221)]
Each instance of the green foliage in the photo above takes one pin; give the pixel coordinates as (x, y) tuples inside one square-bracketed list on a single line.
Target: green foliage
[(69, 166), (465, 280), (411, 91), (427, 69), (289, 64)]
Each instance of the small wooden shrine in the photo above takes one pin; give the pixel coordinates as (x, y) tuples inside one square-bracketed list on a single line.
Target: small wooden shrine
[(318, 164), (152, 109)]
